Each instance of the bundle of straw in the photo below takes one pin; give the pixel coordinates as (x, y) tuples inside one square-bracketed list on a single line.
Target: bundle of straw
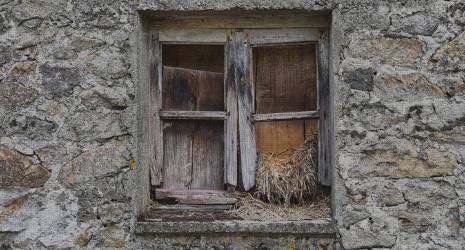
[(290, 176)]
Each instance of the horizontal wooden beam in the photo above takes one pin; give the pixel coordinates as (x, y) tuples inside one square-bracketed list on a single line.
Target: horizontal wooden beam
[(283, 35), (193, 115), (286, 116), (196, 197)]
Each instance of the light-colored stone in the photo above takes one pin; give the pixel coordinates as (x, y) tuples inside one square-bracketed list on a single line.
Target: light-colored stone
[(450, 56), (403, 52), (107, 159), (387, 164)]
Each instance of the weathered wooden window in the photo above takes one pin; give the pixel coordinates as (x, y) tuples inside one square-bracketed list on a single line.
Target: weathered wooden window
[(221, 97)]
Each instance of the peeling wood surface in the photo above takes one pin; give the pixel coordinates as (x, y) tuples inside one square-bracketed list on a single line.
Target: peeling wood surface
[(246, 107)]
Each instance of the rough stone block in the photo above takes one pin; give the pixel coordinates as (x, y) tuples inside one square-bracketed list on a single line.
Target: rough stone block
[(17, 170), (450, 56), (110, 158), (59, 81), (419, 23), (403, 52)]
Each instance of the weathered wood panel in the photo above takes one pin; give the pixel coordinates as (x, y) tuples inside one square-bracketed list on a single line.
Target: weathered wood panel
[(189, 90), (284, 35), (194, 152), (230, 133), (287, 116), (208, 155), (246, 107), (194, 56), (177, 163), (325, 109), (193, 35), (243, 20), (286, 89), (196, 197), (156, 133), (193, 115)]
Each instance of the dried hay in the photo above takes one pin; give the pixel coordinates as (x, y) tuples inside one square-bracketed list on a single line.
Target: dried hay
[(250, 208), (288, 177)]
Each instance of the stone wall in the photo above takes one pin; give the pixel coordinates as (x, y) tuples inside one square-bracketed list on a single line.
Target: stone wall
[(68, 143)]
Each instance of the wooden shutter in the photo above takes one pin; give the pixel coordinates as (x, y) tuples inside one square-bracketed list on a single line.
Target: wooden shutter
[(325, 126), (246, 107), (230, 161)]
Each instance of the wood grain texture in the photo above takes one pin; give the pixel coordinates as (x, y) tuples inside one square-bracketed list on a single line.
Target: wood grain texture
[(287, 116), (230, 133), (155, 129), (194, 56), (193, 35), (196, 197), (246, 107), (284, 35), (194, 152), (193, 115), (286, 91), (243, 20), (177, 163), (325, 154), (192, 90), (208, 156)]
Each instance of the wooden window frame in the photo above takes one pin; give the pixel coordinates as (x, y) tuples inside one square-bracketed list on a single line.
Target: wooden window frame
[(239, 97), (209, 28)]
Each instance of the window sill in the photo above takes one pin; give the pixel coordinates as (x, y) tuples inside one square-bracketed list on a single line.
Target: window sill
[(320, 227)]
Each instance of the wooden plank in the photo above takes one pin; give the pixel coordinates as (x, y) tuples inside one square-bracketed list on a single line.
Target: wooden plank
[(284, 35), (185, 207), (241, 20), (193, 115), (196, 197), (192, 90), (155, 133), (286, 116), (205, 57), (245, 110), (193, 35), (325, 104), (208, 155), (177, 154), (230, 132), (286, 92)]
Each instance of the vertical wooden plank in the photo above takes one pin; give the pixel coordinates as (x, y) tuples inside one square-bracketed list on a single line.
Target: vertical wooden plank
[(177, 151), (324, 103), (246, 108), (207, 155), (230, 130), (155, 133)]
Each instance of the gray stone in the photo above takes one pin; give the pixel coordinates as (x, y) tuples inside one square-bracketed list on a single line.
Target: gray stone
[(59, 81), (450, 56), (360, 79), (419, 23), (108, 159), (18, 171), (16, 96), (404, 52), (5, 54), (29, 127), (32, 23)]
